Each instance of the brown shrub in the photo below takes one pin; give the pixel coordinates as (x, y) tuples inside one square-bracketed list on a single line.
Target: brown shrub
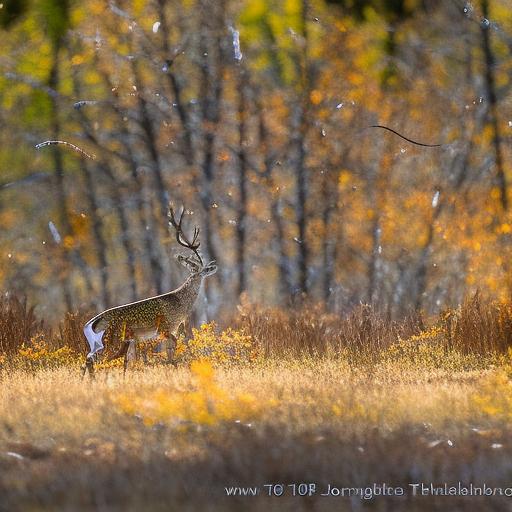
[(70, 333), (312, 331), (478, 326), (18, 323)]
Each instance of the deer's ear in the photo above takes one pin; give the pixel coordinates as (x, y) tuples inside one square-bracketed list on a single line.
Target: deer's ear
[(210, 269), (188, 263), (182, 259)]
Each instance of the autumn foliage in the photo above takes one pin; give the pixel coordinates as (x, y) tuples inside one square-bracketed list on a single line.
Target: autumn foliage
[(257, 116), (349, 165)]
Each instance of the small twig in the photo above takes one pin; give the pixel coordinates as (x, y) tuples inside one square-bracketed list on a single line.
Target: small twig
[(32, 82), (82, 103), (31, 178), (405, 138), (72, 146)]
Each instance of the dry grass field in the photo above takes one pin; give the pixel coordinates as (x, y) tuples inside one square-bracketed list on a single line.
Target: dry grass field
[(420, 409)]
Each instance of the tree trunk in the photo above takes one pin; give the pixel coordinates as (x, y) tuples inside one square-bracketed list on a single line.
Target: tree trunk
[(283, 260), (330, 202), (212, 33), (72, 256), (242, 179), (175, 86), (150, 137), (115, 191), (145, 219), (301, 183), (493, 103), (101, 252)]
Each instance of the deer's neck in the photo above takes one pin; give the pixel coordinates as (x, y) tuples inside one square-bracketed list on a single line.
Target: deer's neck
[(189, 290)]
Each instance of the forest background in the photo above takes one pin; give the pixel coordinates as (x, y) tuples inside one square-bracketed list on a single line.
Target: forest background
[(256, 115)]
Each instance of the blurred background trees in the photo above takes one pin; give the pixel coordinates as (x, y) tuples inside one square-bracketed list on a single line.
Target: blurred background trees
[(255, 114)]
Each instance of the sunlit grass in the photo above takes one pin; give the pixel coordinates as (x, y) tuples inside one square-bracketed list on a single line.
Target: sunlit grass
[(246, 424), (58, 405), (238, 410)]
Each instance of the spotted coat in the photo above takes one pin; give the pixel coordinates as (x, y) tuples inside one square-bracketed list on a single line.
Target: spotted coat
[(145, 318)]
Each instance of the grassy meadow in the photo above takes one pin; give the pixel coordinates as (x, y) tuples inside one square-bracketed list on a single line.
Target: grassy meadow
[(329, 183), (255, 405)]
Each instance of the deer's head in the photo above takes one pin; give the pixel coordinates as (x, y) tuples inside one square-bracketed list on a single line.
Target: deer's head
[(194, 263)]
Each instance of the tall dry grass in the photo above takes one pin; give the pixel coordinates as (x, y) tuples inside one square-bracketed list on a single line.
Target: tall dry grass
[(18, 323), (347, 400), (67, 444), (314, 332), (478, 326), (21, 328)]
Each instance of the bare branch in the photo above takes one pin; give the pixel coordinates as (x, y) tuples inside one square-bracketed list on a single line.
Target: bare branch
[(405, 138), (64, 143)]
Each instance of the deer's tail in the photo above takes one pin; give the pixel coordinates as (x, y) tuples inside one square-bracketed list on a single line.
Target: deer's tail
[(95, 339)]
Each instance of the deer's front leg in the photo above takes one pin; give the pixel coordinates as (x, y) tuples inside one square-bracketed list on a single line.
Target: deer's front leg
[(182, 330), (170, 341), (171, 344)]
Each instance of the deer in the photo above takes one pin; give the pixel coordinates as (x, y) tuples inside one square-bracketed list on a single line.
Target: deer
[(147, 318)]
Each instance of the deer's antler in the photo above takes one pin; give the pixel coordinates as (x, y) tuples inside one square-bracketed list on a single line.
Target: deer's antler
[(181, 238)]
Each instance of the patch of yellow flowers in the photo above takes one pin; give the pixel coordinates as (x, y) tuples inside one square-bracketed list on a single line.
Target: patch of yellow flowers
[(495, 396), (428, 350), (228, 347), (38, 354), (206, 403), (423, 348)]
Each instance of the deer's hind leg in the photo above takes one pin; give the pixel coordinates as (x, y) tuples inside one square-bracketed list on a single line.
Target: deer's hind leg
[(170, 340), (171, 344), (88, 367), (130, 354), (126, 344)]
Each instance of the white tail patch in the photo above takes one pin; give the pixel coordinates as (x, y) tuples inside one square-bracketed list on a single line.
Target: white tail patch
[(94, 339)]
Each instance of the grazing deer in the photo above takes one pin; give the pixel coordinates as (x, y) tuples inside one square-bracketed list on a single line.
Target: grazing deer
[(145, 319)]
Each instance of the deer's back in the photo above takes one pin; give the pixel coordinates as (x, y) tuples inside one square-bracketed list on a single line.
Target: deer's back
[(142, 314)]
